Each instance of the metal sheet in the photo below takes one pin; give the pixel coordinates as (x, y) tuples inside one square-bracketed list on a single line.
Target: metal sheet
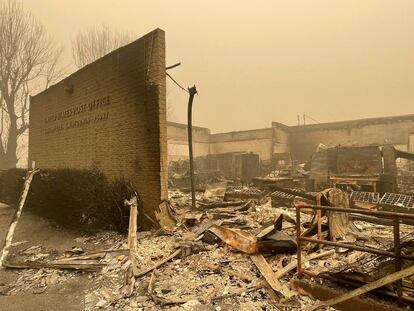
[(241, 240), (397, 200), (365, 197)]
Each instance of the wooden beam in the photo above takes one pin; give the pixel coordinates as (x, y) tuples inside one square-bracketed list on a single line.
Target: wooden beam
[(292, 265), (16, 217), (269, 275), (158, 264), (132, 232), (366, 288)]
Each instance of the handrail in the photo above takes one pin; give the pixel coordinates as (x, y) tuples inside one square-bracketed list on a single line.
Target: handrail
[(395, 216)]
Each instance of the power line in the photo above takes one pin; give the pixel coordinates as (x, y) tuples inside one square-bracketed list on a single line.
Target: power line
[(309, 117), (178, 84)]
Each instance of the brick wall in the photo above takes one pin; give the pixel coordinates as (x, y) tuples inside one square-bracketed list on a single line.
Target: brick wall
[(110, 114)]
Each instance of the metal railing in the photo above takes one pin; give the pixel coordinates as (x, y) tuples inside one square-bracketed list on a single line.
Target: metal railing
[(395, 216)]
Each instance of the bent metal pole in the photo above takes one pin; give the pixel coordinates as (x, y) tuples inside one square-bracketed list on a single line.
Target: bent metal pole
[(192, 91)]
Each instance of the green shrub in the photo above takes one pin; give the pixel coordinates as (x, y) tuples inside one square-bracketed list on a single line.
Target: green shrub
[(80, 198), (11, 185)]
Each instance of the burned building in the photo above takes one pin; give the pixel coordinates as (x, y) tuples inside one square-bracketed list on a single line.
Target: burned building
[(282, 144), (397, 131)]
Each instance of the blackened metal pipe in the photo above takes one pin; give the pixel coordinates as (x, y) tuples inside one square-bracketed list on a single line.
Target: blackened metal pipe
[(192, 91), (357, 248), (385, 214), (397, 252), (299, 243)]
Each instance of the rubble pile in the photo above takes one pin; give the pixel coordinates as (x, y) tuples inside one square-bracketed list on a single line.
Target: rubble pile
[(234, 252)]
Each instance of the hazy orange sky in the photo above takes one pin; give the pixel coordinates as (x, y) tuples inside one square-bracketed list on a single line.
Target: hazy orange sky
[(254, 62)]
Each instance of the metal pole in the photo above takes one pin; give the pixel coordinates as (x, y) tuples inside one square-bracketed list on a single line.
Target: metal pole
[(397, 251), (298, 241), (192, 91), (319, 218), (357, 248), (381, 214)]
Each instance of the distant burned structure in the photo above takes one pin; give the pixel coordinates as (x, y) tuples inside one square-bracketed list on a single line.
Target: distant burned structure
[(364, 168), (395, 131), (281, 144), (241, 166), (109, 115)]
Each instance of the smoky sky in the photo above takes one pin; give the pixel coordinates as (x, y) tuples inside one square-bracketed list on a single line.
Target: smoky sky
[(255, 62)]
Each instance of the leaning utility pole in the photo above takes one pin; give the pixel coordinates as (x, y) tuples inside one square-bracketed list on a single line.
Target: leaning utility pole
[(192, 91)]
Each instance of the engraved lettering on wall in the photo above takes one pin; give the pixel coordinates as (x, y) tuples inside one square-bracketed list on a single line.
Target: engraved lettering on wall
[(70, 117)]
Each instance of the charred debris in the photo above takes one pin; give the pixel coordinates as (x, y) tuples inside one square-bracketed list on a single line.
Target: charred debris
[(335, 232), (344, 219)]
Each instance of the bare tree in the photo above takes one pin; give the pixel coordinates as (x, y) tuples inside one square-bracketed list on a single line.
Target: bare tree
[(96, 42), (28, 63)]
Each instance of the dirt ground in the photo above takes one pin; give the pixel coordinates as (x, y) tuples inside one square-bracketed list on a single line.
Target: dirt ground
[(37, 231)]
